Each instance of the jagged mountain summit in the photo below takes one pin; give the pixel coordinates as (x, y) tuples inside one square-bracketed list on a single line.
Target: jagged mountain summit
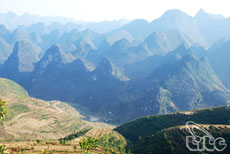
[(212, 27), (21, 61)]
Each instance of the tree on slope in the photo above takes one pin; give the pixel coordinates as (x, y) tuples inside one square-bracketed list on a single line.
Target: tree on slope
[(3, 109)]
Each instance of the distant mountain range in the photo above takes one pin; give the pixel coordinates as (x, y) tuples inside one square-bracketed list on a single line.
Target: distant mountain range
[(12, 21), (129, 70)]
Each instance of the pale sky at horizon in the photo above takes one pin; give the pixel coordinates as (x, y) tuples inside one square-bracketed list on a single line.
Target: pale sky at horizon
[(99, 10)]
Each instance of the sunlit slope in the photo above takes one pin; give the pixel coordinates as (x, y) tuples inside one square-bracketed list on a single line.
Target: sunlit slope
[(29, 118)]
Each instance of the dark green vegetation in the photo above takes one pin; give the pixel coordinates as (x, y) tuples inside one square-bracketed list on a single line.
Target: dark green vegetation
[(161, 133), (3, 112), (108, 142), (74, 135), (112, 144), (3, 109), (166, 133), (88, 144), (105, 139), (172, 141), (3, 149)]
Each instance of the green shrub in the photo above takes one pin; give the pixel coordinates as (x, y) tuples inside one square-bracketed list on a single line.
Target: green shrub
[(3, 149), (74, 147), (88, 144), (62, 142), (3, 109), (75, 135)]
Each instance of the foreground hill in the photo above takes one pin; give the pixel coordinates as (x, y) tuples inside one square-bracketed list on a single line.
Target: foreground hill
[(30, 119), (153, 134), (172, 140), (108, 142), (166, 133)]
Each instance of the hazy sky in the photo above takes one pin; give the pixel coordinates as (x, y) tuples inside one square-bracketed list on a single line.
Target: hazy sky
[(97, 10)]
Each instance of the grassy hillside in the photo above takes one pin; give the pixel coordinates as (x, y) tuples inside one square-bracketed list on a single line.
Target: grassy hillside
[(109, 140), (31, 119), (146, 126), (9, 88), (36, 126), (166, 133)]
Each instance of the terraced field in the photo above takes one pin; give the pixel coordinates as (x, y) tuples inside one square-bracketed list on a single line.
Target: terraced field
[(109, 142), (98, 132), (33, 125), (53, 147), (31, 119)]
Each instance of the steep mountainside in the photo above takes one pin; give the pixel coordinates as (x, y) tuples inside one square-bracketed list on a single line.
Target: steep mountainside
[(144, 67), (118, 52), (219, 59), (212, 27), (74, 83), (4, 32), (54, 73), (162, 43), (123, 52), (176, 81), (19, 34), (5, 51), (21, 61), (184, 84), (83, 48)]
